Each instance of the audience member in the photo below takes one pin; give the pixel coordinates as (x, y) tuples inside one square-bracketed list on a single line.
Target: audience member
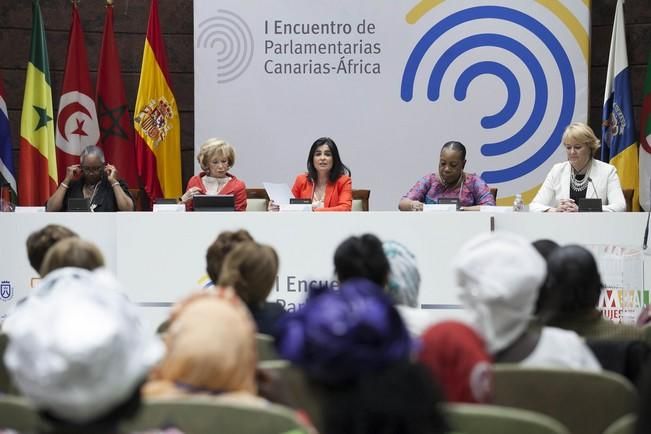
[(499, 275), (72, 252), (79, 352), (457, 358), (403, 285), (251, 269), (218, 250), (574, 286), (362, 257), (545, 248), (210, 350), (40, 241), (355, 349)]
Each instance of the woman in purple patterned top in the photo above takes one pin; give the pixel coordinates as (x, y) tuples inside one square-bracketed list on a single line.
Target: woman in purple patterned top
[(450, 183)]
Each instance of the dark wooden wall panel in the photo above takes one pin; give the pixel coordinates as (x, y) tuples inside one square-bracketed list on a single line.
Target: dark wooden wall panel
[(176, 22)]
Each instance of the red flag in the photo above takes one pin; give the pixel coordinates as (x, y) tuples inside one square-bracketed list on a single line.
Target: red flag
[(114, 121), (77, 118)]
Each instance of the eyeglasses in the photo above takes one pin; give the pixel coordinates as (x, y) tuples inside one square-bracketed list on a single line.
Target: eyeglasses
[(95, 169)]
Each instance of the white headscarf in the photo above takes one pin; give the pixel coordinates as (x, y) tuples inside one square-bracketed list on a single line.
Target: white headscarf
[(77, 347), (499, 275)]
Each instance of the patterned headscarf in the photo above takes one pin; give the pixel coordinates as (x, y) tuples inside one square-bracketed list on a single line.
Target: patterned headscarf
[(340, 334), (210, 348), (404, 279), (457, 358)]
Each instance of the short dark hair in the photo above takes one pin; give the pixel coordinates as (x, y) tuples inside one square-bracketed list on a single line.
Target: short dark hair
[(338, 167), (455, 146), (362, 256), (545, 247), (39, 242), (218, 250), (573, 280)]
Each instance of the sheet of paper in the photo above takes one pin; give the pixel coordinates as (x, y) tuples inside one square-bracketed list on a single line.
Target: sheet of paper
[(279, 193)]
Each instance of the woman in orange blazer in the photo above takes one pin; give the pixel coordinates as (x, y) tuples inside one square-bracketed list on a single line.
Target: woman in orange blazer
[(327, 181), (216, 157)]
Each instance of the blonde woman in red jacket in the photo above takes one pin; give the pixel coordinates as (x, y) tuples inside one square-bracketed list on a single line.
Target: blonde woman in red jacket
[(216, 157), (327, 181)]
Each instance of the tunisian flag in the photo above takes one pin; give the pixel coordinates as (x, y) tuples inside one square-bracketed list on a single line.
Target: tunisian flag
[(114, 121), (156, 119), (77, 118)]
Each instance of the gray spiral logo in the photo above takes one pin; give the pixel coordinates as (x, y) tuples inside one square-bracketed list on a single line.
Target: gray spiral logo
[(231, 37)]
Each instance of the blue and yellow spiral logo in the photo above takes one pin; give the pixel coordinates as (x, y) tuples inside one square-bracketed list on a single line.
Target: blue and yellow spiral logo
[(551, 82)]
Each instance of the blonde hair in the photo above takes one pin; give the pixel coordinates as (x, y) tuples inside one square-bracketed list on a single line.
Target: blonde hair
[(251, 269), (72, 252), (583, 134), (215, 147)]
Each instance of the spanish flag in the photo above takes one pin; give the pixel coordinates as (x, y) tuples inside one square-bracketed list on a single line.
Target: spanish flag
[(156, 119), (37, 178)]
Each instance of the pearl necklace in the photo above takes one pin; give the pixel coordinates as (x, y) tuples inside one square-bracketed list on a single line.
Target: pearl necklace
[(579, 184)]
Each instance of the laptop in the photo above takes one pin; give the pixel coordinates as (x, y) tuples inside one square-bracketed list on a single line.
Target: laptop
[(590, 205), (449, 201), (214, 203), (79, 204)]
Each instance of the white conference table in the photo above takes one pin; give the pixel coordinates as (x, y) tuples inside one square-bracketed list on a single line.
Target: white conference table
[(160, 257)]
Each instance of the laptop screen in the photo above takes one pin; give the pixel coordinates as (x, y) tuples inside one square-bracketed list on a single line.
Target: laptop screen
[(214, 203)]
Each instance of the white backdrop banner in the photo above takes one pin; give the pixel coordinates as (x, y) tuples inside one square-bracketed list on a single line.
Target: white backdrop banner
[(390, 82)]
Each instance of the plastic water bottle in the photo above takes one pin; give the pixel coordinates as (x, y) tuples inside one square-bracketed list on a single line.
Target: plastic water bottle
[(518, 204)]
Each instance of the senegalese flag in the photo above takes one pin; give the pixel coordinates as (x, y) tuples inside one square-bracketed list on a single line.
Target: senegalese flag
[(37, 175), (156, 119), (619, 144), (645, 142)]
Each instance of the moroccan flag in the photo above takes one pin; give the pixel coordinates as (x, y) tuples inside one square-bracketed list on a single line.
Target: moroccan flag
[(37, 178), (116, 129), (77, 118), (7, 171), (156, 119), (619, 144), (645, 142)]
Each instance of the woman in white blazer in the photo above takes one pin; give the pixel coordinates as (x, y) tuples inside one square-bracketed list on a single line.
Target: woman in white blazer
[(581, 176)]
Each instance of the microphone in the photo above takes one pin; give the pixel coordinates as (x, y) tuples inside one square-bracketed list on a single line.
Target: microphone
[(646, 232), (594, 188)]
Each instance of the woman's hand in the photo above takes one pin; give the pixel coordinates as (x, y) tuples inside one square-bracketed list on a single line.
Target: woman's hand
[(416, 205), (73, 172), (272, 206), (567, 205), (188, 195), (111, 173), (317, 204)]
